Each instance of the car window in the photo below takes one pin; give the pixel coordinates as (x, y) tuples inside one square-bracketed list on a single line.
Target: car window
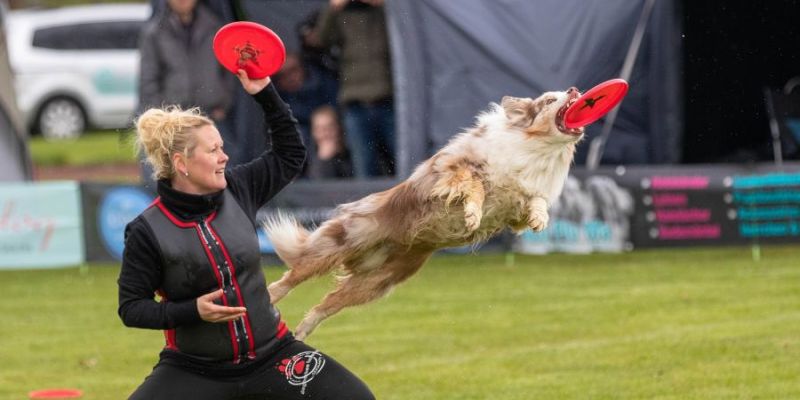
[(90, 36)]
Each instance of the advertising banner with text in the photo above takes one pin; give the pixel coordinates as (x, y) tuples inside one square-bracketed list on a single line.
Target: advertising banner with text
[(107, 210), (40, 225), (613, 209)]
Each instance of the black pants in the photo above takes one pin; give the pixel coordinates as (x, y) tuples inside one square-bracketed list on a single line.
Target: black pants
[(296, 372)]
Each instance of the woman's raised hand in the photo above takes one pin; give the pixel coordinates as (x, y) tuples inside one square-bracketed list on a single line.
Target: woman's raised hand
[(252, 86)]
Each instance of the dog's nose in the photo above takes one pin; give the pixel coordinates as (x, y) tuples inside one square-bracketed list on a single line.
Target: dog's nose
[(572, 89)]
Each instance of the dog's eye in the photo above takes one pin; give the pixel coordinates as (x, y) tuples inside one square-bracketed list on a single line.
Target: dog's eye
[(550, 101)]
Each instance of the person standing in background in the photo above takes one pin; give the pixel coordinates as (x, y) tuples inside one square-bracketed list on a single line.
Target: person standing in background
[(304, 89), (358, 27), (178, 65), (331, 159)]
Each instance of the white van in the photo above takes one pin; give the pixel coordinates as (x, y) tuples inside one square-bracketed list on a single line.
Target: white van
[(76, 67)]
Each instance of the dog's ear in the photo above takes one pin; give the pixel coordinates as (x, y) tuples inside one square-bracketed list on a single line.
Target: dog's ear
[(520, 112)]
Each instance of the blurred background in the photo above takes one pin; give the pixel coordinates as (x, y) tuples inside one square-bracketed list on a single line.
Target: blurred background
[(713, 96), (696, 168)]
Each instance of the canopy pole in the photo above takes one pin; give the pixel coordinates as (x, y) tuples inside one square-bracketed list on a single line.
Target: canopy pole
[(598, 144)]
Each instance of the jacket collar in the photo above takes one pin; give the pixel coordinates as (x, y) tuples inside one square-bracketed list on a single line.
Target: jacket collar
[(189, 207)]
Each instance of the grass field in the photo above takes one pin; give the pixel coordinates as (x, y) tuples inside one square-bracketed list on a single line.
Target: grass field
[(667, 324), (91, 148)]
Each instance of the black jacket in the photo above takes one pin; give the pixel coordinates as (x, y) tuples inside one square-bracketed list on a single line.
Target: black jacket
[(250, 185)]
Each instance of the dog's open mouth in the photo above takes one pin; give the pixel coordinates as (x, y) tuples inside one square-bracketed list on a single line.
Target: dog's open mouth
[(572, 97)]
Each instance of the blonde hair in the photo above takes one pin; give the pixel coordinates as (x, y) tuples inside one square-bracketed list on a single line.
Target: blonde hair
[(162, 132)]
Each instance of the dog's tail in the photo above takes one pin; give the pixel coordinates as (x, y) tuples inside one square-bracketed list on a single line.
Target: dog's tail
[(287, 236)]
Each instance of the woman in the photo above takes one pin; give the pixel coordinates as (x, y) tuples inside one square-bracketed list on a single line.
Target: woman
[(332, 158), (197, 247)]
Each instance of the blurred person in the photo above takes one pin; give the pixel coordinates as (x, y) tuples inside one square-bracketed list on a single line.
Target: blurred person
[(304, 89), (196, 247), (326, 59), (322, 62), (178, 65), (331, 160), (358, 27)]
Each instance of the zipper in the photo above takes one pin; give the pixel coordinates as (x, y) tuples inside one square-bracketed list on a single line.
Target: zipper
[(220, 263)]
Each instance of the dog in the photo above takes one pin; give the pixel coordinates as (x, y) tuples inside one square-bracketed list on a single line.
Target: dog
[(504, 172)]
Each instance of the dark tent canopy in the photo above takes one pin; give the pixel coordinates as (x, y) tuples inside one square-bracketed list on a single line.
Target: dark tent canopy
[(452, 58)]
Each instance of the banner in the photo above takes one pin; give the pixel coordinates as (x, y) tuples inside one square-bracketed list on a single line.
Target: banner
[(621, 208), (609, 210), (717, 206), (108, 209), (40, 225), (590, 215)]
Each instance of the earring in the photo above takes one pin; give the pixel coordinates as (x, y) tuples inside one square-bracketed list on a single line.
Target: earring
[(186, 173)]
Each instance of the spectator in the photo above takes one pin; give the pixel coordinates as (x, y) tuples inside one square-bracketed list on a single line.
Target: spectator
[(358, 27), (304, 89), (324, 60), (178, 64), (331, 159)]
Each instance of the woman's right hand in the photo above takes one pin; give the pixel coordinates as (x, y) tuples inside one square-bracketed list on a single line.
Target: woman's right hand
[(252, 86), (212, 312)]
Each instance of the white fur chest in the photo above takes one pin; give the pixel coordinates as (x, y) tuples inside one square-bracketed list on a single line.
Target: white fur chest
[(526, 168), (516, 167)]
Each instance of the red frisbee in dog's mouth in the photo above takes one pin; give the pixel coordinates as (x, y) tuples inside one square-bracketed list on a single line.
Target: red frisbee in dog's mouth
[(595, 103), (249, 46)]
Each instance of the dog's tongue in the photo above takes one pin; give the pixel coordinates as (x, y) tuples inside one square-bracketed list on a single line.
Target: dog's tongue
[(574, 95)]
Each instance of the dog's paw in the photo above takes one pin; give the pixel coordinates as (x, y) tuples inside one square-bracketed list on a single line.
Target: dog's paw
[(276, 292), (308, 324), (472, 216), (300, 335), (538, 220)]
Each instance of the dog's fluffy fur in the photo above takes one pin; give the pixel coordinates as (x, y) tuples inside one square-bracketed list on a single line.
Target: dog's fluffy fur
[(503, 172)]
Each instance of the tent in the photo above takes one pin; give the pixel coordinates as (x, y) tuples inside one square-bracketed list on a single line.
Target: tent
[(452, 58), (15, 163)]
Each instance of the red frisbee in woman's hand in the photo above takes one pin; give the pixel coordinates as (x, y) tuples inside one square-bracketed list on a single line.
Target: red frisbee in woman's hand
[(595, 103), (249, 46)]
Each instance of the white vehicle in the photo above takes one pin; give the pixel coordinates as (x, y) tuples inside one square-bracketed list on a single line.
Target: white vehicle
[(76, 67)]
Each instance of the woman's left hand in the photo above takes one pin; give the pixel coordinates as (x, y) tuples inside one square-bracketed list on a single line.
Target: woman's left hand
[(252, 86)]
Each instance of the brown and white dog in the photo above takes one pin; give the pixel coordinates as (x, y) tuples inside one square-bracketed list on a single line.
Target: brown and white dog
[(503, 172)]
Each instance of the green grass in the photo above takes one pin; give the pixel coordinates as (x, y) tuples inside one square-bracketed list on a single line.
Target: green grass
[(666, 324), (91, 148)]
